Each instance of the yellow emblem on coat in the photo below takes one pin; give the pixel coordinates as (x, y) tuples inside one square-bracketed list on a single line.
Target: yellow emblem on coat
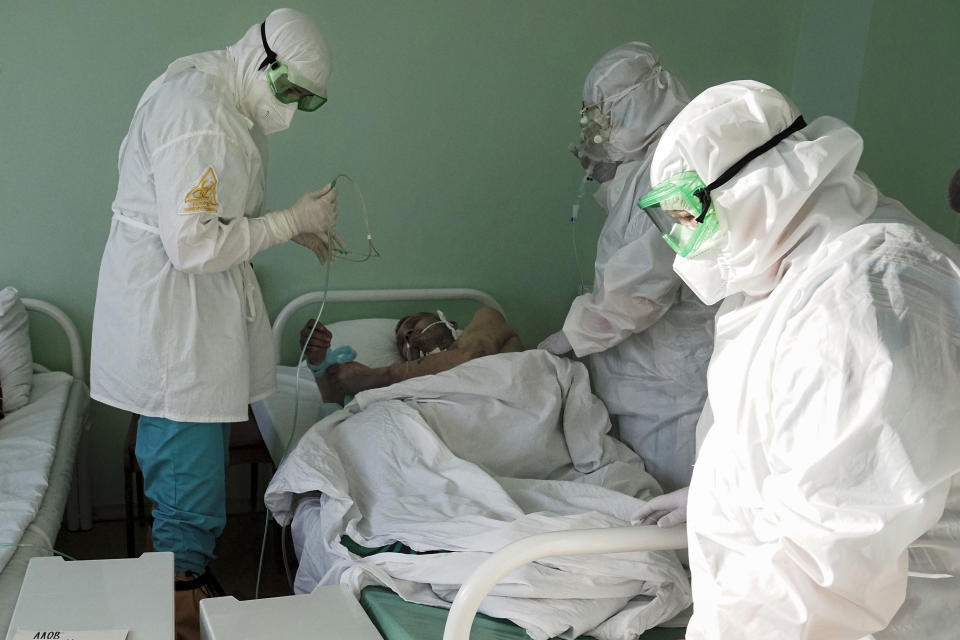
[(203, 197)]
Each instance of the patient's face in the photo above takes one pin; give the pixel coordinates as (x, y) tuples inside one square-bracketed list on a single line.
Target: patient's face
[(416, 337)]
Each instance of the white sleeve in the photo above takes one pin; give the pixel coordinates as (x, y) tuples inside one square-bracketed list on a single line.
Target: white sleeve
[(634, 289), (202, 182)]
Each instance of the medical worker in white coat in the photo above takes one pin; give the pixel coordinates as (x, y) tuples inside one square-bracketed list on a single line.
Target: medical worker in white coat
[(831, 470), (648, 337), (180, 334)]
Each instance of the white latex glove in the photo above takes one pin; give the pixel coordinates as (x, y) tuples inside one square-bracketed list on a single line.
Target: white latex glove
[(318, 244), (314, 212), (668, 510), (556, 343)]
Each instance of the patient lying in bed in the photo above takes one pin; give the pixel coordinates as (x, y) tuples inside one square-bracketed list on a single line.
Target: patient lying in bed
[(456, 465), (427, 342)]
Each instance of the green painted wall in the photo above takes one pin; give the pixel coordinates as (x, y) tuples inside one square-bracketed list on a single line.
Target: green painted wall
[(909, 107), (454, 116)]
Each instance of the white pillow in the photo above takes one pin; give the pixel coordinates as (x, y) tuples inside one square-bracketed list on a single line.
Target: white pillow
[(372, 338), (16, 359)]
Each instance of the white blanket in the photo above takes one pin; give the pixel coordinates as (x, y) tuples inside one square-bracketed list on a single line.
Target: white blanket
[(28, 441), (472, 459)]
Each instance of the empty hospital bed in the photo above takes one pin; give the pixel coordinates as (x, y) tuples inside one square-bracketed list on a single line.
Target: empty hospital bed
[(43, 457), (395, 617)]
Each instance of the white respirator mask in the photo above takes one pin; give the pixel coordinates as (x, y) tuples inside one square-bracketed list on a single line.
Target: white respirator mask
[(268, 112)]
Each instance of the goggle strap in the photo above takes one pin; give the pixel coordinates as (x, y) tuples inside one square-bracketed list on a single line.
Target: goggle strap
[(703, 193), (271, 55)]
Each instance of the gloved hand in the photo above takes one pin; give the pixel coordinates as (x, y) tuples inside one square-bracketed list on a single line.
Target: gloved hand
[(556, 343), (314, 213), (668, 510), (318, 244)]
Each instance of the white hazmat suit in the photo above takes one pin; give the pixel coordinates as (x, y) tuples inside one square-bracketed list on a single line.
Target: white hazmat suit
[(648, 337), (180, 330), (832, 466)]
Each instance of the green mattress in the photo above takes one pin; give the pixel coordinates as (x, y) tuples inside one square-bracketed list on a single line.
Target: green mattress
[(400, 620)]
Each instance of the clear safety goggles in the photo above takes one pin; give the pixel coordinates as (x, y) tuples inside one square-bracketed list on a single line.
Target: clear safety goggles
[(682, 207), (286, 87), (676, 209)]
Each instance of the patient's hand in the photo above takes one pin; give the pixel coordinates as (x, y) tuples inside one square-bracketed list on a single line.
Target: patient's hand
[(352, 377), (318, 344)]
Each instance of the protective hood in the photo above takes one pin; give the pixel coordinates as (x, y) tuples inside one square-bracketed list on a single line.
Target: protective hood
[(296, 41), (638, 94), (782, 206)]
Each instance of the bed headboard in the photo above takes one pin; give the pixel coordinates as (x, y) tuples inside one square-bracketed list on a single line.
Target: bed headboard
[(375, 295), (73, 336)]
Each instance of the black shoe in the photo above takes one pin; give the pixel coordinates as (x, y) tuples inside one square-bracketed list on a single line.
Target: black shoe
[(206, 583)]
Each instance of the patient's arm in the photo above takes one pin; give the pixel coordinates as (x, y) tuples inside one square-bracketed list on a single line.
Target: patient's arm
[(326, 383), (488, 333)]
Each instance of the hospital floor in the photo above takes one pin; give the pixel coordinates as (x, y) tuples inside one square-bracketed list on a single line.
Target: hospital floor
[(238, 552)]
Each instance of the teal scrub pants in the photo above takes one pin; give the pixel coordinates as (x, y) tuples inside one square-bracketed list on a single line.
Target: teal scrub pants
[(184, 474)]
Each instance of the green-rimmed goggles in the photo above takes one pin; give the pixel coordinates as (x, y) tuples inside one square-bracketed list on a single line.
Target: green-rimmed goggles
[(676, 207), (682, 207), (283, 81)]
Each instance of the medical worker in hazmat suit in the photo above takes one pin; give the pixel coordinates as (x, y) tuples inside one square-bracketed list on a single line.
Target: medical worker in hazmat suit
[(825, 500), (181, 336), (648, 337)]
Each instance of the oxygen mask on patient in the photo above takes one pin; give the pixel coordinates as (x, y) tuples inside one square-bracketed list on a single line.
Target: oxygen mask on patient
[(425, 334)]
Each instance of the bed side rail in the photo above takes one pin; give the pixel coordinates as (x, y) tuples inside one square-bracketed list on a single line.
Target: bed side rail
[(69, 328), (560, 543)]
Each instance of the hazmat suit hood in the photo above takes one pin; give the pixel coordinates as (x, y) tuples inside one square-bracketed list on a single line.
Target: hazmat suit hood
[(782, 206), (640, 96), (297, 42)]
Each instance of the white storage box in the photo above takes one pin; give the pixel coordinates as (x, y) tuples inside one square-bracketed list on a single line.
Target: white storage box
[(135, 594), (328, 613)]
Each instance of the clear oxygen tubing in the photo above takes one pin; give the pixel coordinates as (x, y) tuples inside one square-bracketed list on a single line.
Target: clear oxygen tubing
[(37, 546), (344, 255), (574, 214), (371, 250), (296, 408)]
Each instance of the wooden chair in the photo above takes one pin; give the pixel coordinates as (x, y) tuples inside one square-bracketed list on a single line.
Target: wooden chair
[(246, 447)]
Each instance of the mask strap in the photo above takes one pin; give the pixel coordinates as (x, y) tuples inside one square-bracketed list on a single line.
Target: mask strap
[(271, 55), (703, 193), (456, 333), (652, 74)]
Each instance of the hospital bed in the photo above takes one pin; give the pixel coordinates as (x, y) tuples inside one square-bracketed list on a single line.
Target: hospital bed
[(396, 618), (369, 336), (43, 458)]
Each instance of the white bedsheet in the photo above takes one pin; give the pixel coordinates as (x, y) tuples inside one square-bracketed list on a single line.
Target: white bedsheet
[(466, 461), (28, 439)]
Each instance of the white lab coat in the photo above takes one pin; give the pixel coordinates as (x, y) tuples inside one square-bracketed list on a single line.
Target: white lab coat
[(647, 336), (180, 330), (831, 466)]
